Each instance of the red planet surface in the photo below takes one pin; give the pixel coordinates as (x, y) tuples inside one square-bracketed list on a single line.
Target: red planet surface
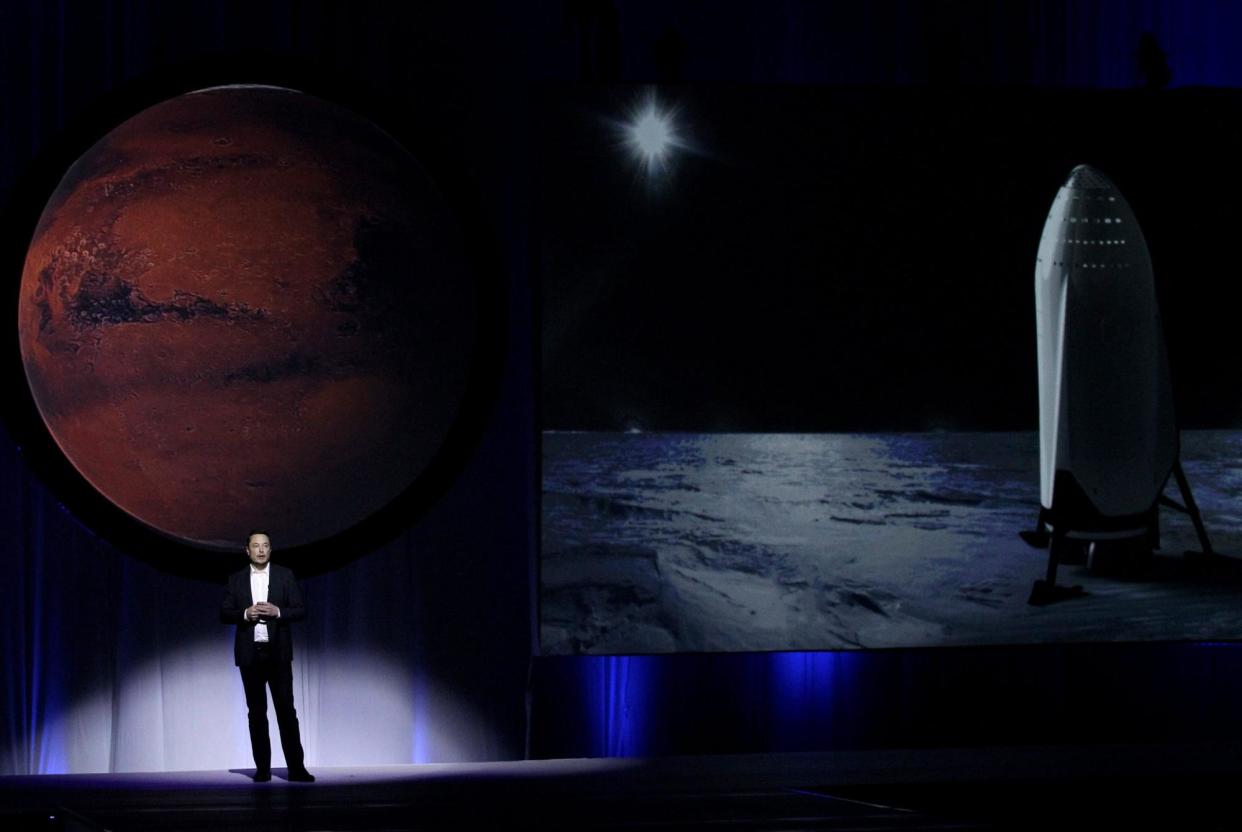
[(247, 307)]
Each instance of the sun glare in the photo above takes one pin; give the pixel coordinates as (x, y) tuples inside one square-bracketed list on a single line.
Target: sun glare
[(652, 135)]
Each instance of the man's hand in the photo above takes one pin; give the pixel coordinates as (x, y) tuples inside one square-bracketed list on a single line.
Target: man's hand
[(262, 610)]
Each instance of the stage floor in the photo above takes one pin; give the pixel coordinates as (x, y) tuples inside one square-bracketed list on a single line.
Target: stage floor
[(1186, 787)]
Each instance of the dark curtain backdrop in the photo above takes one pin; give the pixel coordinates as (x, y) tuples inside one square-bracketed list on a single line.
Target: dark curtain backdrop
[(421, 650), (1093, 694)]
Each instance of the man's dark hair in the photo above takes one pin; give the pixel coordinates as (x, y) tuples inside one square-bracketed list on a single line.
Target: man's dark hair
[(258, 531)]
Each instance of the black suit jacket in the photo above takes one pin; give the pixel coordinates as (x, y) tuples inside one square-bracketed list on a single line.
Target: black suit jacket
[(282, 590)]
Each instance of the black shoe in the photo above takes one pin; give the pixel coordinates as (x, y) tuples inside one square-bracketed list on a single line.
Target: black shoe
[(262, 776), (301, 776)]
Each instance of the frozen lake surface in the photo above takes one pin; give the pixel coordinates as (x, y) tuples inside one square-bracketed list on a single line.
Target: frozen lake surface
[(656, 543)]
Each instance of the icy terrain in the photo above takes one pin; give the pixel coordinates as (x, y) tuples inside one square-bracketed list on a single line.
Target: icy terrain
[(656, 543)]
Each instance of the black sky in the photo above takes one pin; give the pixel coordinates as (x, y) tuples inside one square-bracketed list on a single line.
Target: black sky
[(859, 259)]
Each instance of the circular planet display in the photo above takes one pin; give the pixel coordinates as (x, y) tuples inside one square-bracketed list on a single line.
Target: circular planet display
[(247, 307)]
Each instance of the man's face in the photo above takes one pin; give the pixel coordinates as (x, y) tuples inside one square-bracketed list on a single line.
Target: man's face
[(259, 550)]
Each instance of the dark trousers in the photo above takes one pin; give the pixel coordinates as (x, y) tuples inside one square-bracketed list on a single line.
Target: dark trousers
[(268, 671)]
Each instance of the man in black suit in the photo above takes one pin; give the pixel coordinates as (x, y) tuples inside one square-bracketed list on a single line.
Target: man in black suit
[(263, 601)]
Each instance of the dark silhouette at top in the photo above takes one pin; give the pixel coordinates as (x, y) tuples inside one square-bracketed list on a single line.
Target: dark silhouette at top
[(1153, 63), (599, 39)]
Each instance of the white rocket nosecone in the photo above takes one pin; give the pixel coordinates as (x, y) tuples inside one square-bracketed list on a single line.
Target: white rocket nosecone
[(1107, 438)]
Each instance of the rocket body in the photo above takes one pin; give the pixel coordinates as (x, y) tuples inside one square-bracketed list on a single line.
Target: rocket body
[(1107, 436)]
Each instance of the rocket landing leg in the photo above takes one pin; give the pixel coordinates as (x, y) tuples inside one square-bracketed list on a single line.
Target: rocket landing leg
[(1046, 591), (1190, 508), (1061, 549), (1039, 537)]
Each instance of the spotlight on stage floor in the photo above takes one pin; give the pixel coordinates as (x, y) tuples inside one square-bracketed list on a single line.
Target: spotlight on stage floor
[(184, 710)]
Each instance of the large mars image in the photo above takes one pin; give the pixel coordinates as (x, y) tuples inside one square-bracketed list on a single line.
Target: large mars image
[(247, 307)]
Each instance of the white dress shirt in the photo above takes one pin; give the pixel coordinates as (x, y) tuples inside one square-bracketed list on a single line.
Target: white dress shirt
[(258, 593)]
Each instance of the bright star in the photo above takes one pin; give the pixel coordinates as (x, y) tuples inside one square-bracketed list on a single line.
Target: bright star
[(652, 135)]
